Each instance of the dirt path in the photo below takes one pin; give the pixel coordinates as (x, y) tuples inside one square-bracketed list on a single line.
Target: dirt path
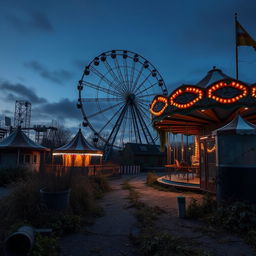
[(110, 233), (219, 244)]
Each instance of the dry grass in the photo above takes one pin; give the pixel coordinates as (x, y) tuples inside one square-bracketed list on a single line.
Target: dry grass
[(23, 204)]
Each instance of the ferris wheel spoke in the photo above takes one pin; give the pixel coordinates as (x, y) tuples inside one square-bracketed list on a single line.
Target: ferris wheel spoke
[(103, 78), (137, 78), (102, 89), (140, 92), (135, 125), (142, 108), (111, 138), (144, 101), (103, 110), (147, 95), (124, 128), (112, 73), (108, 122), (130, 125), (100, 99), (144, 126), (139, 117), (126, 73), (132, 75), (120, 73), (143, 82)]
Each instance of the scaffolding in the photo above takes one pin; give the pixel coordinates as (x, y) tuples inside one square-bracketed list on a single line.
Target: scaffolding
[(22, 115)]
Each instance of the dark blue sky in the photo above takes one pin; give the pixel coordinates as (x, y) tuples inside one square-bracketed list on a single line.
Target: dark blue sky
[(45, 44)]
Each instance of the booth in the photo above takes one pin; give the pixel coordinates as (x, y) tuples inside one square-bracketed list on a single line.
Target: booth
[(77, 153)]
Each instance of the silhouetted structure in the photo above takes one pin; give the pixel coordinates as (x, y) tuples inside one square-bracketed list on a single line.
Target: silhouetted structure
[(17, 150), (144, 155)]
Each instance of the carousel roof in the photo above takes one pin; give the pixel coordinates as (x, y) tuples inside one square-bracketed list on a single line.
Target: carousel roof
[(78, 145), (199, 109), (237, 126), (212, 76), (18, 139)]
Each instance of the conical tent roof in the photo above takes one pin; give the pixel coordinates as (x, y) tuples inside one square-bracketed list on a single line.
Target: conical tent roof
[(18, 139), (212, 76), (237, 126), (78, 145)]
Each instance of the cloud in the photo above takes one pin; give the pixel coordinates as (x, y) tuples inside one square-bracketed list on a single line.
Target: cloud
[(30, 21), (80, 64), (61, 110), (20, 91), (56, 76)]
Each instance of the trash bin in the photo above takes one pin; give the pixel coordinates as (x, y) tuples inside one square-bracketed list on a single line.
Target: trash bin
[(181, 206)]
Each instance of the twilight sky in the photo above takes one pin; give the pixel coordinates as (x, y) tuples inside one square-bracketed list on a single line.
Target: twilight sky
[(44, 45)]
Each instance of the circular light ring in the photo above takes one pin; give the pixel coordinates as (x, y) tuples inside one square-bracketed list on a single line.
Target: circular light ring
[(188, 89), (253, 91), (236, 85), (157, 100)]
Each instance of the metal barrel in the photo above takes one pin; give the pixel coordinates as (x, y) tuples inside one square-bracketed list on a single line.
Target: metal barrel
[(181, 206), (20, 243)]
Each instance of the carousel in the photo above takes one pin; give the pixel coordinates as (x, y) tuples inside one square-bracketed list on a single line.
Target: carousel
[(198, 110)]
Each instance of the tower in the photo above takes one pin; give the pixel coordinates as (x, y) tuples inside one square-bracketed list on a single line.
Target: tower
[(22, 115)]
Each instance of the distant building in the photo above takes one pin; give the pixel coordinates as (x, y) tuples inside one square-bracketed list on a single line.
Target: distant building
[(145, 155), (18, 150)]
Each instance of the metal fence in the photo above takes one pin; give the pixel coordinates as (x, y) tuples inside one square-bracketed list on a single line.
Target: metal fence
[(91, 170), (129, 169)]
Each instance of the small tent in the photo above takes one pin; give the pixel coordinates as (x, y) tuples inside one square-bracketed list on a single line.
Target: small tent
[(77, 152), (18, 150)]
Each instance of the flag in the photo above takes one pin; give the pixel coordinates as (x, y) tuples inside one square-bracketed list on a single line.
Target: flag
[(243, 38)]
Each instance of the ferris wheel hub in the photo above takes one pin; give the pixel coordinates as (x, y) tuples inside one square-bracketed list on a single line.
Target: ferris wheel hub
[(130, 98)]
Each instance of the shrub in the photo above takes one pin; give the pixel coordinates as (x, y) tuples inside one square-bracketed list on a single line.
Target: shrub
[(10, 175), (82, 197), (237, 217), (251, 238), (46, 246), (100, 185), (151, 178), (22, 204), (196, 210)]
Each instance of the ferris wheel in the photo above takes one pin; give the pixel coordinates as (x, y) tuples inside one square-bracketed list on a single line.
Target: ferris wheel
[(114, 94)]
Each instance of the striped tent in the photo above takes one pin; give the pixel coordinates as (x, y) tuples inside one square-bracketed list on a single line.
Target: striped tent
[(77, 152)]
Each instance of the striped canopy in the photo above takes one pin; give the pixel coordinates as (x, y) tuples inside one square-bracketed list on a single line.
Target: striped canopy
[(18, 139), (78, 145)]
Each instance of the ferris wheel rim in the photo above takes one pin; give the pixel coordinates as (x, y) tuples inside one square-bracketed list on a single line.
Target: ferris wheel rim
[(141, 60)]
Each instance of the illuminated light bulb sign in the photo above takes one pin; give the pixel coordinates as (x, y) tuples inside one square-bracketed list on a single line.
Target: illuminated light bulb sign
[(158, 99), (194, 90), (253, 91), (211, 92)]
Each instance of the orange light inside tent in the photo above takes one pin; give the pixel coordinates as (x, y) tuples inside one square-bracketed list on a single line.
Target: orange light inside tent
[(215, 87), (193, 90)]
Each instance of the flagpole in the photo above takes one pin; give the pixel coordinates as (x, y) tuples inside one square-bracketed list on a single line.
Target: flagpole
[(236, 46)]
